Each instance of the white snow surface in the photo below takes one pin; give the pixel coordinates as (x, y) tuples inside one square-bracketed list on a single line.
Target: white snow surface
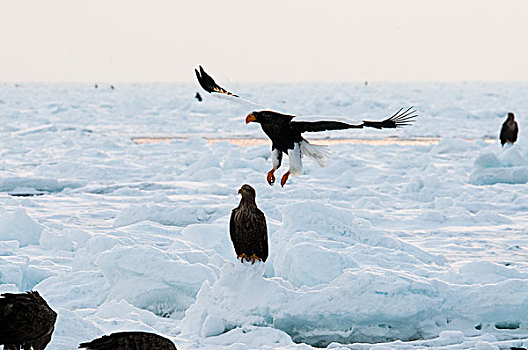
[(386, 247)]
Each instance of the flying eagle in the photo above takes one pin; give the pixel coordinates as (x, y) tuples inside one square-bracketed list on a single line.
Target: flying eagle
[(26, 321), (130, 341), (285, 131), (248, 229), (509, 130)]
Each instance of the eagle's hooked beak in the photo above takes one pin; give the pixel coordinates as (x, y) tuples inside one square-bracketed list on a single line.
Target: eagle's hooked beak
[(240, 191), (250, 118)]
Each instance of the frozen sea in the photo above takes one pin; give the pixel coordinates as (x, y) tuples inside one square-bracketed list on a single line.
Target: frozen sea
[(392, 245)]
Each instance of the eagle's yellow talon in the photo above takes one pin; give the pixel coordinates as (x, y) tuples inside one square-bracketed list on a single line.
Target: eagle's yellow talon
[(242, 257), (254, 258)]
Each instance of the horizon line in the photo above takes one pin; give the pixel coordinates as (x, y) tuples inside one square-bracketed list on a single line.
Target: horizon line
[(110, 82)]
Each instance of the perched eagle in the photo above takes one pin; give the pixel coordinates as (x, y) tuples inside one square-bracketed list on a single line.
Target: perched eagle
[(130, 341), (26, 321), (285, 131), (509, 130), (248, 229)]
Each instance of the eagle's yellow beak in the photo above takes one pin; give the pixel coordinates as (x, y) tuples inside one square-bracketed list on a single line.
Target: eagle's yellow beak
[(240, 191), (250, 118)]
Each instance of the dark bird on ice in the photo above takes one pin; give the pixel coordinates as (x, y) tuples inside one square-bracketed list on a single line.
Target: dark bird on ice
[(130, 341), (26, 321), (248, 229), (285, 131), (509, 130), (198, 97)]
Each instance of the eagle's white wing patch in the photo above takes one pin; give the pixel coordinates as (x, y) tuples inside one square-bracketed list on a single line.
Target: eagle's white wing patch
[(320, 118)]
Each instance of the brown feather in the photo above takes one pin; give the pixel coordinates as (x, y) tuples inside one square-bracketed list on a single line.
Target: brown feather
[(25, 320), (130, 341)]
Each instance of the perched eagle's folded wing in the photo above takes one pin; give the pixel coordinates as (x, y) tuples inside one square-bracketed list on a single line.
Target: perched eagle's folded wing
[(209, 85), (398, 119), (129, 340), (12, 328), (25, 316)]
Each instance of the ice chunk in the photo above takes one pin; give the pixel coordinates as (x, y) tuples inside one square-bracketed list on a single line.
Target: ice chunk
[(151, 279), (487, 160), (132, 317), (36, 184), (19, 226), (492, 176), (176, 215), (210, 236), (361, 304), (71, 329), (251, 337), (212, 326), (79, 289), (54, 239), (309, 264), (452, 145), (508, 165)]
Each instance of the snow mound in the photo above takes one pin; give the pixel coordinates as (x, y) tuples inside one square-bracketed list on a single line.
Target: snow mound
[(317, 246), (210, 236), (250, 337), (72, 329), (177, 216), (77, 290), (508, 166), (138, 319), (16, 184), (362, 304), (452, 145), (19, 226), (151, 279)]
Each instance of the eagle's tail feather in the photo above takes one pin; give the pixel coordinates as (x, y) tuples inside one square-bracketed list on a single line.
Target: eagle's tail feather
[(319, 153)]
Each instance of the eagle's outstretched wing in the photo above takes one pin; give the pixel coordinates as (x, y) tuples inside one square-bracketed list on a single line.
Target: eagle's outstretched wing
[(398, 119), (209, 85)]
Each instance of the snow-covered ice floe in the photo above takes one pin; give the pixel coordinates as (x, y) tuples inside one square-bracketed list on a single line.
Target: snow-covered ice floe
[(387, 247)]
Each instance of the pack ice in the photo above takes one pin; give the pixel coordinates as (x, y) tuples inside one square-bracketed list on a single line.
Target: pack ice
[(390, 246)]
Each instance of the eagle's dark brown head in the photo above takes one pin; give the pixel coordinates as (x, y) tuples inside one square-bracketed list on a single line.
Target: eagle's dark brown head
[(247, 192), (511, 117), (268, 116)]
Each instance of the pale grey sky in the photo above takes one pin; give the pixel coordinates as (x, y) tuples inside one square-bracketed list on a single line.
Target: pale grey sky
[(274, 40)]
